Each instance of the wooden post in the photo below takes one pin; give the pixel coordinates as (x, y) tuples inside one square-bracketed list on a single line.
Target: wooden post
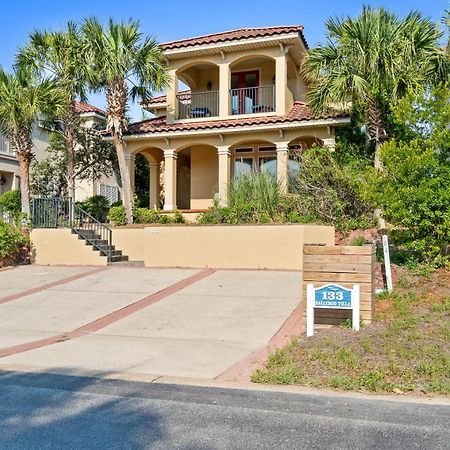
[(344, 265)]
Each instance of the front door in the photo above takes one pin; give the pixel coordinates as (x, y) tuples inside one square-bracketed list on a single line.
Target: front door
[(244, 95)]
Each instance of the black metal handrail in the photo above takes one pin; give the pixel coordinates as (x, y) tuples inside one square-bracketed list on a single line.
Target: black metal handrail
[(64, 213), (92, 230)]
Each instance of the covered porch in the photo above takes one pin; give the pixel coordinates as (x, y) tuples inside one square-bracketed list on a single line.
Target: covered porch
[(191, 174)]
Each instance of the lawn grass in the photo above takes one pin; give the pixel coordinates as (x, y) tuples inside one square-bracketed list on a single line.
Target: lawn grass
[(406, 349)]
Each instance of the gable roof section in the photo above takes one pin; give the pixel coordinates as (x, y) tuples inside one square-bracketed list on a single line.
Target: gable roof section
[(298, 113), (235, 35), (83, 107)]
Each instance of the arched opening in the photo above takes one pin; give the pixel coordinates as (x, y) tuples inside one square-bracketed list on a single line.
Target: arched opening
[(252, 85), (148, 165), (198, 91), (253, 156), (141, 181), (296, 146), (197, 176)]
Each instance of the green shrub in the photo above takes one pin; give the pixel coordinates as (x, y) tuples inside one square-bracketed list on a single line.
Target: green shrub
[(97, 206), (11, 202), (178, 217), (254, 197), (328, 190), (413, 188), (145, 215), (12, 239), (164, 218), (117, 216)]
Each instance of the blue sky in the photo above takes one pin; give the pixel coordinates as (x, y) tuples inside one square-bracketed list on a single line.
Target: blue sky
[(175, 19)]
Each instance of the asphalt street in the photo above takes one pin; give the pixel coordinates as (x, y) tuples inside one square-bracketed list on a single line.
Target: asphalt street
[(44, 411)]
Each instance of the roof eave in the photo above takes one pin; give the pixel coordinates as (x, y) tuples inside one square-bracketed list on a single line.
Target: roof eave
[(181, 52), (337, 121)]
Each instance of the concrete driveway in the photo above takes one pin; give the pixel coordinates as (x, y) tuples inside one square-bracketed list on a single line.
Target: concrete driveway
[(186, 323)]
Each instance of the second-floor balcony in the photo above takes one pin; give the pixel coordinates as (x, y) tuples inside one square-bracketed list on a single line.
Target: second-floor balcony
[(247, 100), (252, 100), (195, 105), (5, 147)]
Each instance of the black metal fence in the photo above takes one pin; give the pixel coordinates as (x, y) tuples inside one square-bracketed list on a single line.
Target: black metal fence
[(64, 213)]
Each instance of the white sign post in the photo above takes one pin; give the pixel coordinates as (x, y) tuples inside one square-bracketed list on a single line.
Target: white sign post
[(387, 263), (332, 296)]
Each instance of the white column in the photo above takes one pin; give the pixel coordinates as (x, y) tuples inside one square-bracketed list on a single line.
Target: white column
[(280, 84), (170, 180), (154, 185), (224, 173), (224, 89), (171, 97), (282, 166), (15, 182)]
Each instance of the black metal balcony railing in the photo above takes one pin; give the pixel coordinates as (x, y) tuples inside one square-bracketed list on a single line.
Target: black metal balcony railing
[(252, 100), (198, 104)]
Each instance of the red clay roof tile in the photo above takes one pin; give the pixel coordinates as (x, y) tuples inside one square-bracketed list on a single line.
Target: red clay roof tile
[(299, 112), (83, 107), (234, 35)]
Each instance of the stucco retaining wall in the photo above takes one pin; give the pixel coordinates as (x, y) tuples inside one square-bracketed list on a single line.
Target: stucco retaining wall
[(50, 246), (241, 246)]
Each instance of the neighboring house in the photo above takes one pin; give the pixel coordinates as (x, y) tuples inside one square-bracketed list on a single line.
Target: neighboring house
[(9, 164), (245, 111), (91, 116)]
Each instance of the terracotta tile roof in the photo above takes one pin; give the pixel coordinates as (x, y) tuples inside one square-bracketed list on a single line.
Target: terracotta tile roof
[(235, 35), (83, 107), (162, 98), (298, 113)]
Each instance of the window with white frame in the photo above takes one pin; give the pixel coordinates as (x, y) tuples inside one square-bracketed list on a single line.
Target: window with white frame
[(111, 193), (255, 158)]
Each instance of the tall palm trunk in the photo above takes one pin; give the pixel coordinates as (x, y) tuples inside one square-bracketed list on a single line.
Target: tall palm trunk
[(23, 145), (376, 129), (69, 131), (24, 165), (117, 97), (124, 176), (377, 133)]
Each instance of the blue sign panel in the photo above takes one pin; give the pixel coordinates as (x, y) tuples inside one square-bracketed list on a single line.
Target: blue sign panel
[(332, 296)]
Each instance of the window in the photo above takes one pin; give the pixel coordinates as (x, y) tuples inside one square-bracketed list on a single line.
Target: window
[(244, 150), (255, 158), (268, 164), (111, 193), (242, 166)]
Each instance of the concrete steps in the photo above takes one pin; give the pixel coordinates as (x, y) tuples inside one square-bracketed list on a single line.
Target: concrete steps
[(113, 255)]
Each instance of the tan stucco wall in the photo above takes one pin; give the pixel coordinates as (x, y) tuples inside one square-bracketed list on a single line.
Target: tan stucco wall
[(241, 246), (204, 174), (130, 241), (60, 246)]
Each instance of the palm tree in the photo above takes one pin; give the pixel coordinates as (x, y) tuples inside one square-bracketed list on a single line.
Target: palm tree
[(23, 99), (60, 55), (126, 65), (372, 61)]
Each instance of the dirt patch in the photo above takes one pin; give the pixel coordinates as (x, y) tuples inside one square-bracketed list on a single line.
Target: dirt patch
[(405, 350)]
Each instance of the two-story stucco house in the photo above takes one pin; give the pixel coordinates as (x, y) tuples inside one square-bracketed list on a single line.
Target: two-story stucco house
[(244, 109)]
